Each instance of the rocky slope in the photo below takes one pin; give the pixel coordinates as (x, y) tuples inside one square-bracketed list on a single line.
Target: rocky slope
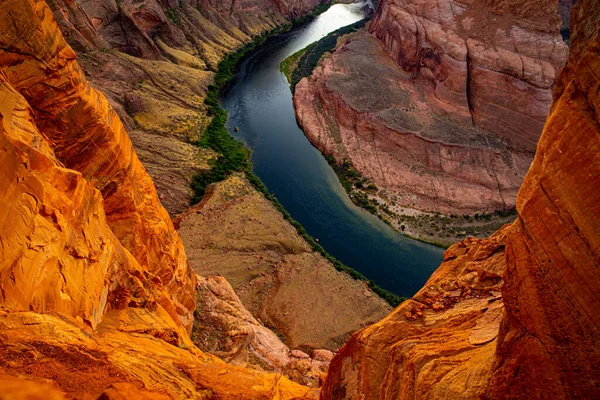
[(440, 105), (546, 336), (154, 60), (238, 234), (96, 293), (225, 328)]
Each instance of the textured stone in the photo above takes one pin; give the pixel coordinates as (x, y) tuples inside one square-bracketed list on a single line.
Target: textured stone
[(96, 293), (550, 332), (223, 327), (87, 136), (449, 122), (544, 343), (445, 352)]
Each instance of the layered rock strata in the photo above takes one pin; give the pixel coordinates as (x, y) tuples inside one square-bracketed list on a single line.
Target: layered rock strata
[(96, 293), (82, 133), (440, 105), (546, 336)]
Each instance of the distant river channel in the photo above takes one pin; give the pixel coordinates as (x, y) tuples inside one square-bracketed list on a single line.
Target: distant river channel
[(259, 103)]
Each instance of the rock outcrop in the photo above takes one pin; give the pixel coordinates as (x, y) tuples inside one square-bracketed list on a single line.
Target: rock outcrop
[(550, 332), (225, 328), (488, 64), (96, 293), (87, 136), (544, 342), (439, 344), (440, 105)]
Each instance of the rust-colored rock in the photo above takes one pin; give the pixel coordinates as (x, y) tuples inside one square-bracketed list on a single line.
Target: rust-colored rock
[(96, 293), (225, 328), (116, 361), (545, 342), (492, 64), (550, 332), (87, 136), (445, 352), (444, 109)]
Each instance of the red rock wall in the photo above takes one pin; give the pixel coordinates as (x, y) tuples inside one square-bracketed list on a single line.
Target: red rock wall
[(381, 124), (550, 332), (482, 62), (546, 345)]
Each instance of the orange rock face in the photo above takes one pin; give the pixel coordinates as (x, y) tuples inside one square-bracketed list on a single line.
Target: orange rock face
[(544, 343), (96, 294), (439, 344), (550, 332), (87, 136)]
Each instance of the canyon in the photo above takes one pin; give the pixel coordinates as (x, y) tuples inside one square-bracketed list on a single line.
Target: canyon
[(538, 339), (107, 294), (439, 105)]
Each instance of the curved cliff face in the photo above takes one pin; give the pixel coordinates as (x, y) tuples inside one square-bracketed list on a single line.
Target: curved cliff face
[(550, 331), (450, 121), (96, 293), (359, 106), (545, 339), (87, 136)]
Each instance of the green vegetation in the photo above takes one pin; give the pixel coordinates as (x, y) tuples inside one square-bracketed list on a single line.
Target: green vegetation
[(288, 65), (233, 156), (391, 298), (308, 60)]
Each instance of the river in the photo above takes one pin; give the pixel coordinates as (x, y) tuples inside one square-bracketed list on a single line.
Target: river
[(259, 102)]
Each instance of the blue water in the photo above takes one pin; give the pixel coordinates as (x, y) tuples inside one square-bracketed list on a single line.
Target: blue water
[(259, 103)]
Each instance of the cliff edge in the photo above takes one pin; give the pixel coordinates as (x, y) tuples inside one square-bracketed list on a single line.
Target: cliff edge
[(543, 327), (96, 293)]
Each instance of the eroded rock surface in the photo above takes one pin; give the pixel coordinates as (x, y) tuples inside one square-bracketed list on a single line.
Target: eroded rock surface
[(550, 332), (544, 342), (96, 293), (439, 344), (225, 328), (440, 104), (235, 232)]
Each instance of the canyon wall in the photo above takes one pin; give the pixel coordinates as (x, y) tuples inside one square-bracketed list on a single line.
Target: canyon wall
[(96, 293), (440, 105), (154, 60), (87, 136), (544, 333)]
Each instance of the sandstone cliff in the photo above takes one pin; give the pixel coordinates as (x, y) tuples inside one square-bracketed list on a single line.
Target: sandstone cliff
[(440, 106), (545, 345), (96, 293)]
